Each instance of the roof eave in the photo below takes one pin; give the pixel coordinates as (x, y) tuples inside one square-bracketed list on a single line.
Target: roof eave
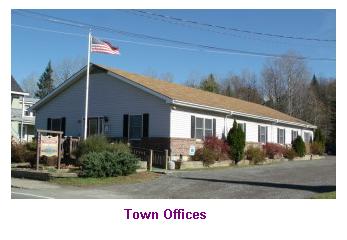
[(226, 111)]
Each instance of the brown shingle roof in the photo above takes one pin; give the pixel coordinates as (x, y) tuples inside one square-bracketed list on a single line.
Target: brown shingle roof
[(197, 96)]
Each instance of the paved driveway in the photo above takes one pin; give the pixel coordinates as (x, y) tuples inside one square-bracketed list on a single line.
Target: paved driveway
[(299, 179)]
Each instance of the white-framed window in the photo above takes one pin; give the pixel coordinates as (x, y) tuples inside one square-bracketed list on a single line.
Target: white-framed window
[(262, 134), (135, 126), (95, 126), (307, 137), (199, 128), (294, 135), (208, 127), (281, 135), (202, 127)]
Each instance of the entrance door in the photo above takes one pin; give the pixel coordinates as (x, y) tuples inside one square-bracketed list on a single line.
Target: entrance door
[(93, 126)]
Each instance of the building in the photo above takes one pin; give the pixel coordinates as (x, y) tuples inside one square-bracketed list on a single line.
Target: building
[(22, 120), (157, 114)]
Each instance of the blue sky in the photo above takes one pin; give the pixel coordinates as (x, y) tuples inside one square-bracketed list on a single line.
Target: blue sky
[(31, 49)]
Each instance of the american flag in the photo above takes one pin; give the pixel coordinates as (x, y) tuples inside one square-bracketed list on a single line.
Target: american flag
[(103, 47)]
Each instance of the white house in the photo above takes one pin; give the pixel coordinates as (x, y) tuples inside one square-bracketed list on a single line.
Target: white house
[(22, 120), (157, 114)]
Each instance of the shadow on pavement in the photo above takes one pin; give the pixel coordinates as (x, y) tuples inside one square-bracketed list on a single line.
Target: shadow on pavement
[(316, 189)]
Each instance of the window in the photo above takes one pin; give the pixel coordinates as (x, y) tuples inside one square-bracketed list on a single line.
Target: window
[(135, 128), (294, 135), (56, 124), (262, 134), (199, 128), (281, 136), (307, 137), (202, 127), (208, 127)]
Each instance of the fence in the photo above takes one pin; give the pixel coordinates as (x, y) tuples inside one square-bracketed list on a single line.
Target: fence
[(154, 158), (69, 147)]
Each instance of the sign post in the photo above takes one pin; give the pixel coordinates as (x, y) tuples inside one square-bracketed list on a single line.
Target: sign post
[(48, 146)]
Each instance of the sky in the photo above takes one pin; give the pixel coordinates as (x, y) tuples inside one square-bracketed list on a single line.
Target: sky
[(31, 48)]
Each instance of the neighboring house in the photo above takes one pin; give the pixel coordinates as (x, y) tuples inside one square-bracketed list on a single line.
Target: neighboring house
[(22, 120), (157, 114)]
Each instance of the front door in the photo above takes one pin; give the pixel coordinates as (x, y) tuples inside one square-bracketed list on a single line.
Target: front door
[(93, 126)]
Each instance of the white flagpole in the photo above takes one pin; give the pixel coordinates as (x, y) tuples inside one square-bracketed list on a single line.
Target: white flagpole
[(87, 90)]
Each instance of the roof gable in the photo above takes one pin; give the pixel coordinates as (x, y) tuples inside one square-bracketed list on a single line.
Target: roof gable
[(15, 86)]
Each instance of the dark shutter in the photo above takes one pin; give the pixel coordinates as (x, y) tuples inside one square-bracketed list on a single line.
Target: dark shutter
[(192, 127), (258, 133), (284, 133), (214, 127), (278, 135), (63, 124), (244, 127), (145, 119), (125, 125), (49, 124)]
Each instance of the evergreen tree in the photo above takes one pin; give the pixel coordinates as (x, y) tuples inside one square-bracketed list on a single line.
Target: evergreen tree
[(237, 142), (319, 137), (45, 84), (210, 84)]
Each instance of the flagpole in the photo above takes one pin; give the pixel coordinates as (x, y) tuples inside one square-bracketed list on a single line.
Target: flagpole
[(87, 90)]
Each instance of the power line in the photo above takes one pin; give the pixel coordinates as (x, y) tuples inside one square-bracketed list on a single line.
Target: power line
[(196, 23), (148, 37), (224, 32)]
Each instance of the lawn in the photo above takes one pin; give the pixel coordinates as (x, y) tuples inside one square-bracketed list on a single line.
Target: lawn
[(327, 195), (85, 182)]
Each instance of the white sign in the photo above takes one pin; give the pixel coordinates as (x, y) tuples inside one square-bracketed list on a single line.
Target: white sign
[(49, 146), (191, 150)]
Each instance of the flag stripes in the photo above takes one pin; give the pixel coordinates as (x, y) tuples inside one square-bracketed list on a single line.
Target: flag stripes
[(103, 47)]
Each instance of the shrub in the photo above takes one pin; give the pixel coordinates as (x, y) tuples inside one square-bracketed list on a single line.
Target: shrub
[(206, 155), (289, 153), (219, 146), (273, 149), (319, 137), (317, 148), (108, 164), (255, 155), (299, 146), (99, 143), (95, 143), (23, 152), (318, 145), (237, 142)]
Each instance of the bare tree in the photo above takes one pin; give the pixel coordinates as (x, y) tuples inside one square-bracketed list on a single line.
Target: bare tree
[(29, 84), (66, 68), (166, 76), (284, 79)]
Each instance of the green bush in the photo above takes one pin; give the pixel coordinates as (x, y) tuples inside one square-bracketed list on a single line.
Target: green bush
[(289, 153), (99, 143), (317, 148), (255, 155), (237, 142), (206, 155), (299, 146), (108, 164)]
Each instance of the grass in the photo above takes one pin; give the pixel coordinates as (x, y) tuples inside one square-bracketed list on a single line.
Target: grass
[(327, 195), (86, 182)]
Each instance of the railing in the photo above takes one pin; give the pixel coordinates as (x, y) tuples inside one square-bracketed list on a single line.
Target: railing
[(153, 158), (69, 147)]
